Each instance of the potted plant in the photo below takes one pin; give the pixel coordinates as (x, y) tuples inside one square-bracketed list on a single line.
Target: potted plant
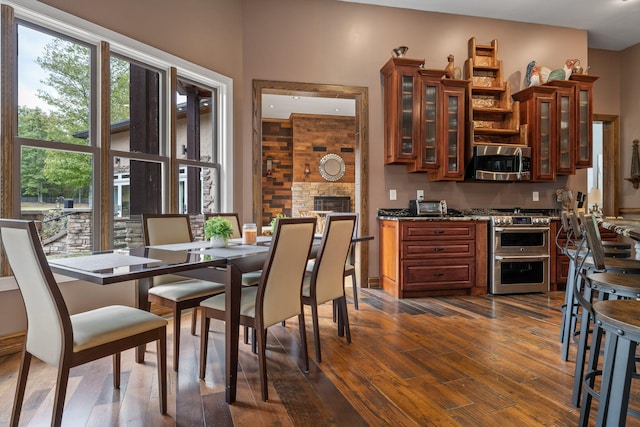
[(274, 221), (218, 230)]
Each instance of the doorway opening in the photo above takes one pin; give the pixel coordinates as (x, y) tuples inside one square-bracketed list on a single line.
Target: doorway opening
[(360, 202), (604, 174)]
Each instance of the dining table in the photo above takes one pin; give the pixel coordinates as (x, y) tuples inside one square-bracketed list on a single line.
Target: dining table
[(195, 260)]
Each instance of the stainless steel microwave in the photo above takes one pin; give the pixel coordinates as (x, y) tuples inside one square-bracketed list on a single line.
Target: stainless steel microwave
[(500, 163)]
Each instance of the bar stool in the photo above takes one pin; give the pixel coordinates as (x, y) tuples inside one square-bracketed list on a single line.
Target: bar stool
[(612, 286), (597, 290), (620, 320), (575, 249)]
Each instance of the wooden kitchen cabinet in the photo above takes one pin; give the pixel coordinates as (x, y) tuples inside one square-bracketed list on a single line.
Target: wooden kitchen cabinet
[(584, 119), (401, 109), (538, 111), (424, 119), (451, 132), (566, 107), (419, 258)]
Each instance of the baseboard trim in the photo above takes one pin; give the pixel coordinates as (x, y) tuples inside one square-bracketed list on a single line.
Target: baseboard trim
[(10, 344)]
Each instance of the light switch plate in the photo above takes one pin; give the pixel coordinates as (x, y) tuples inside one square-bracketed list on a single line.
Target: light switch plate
[(420, 195), (536, 196), (393, 195)]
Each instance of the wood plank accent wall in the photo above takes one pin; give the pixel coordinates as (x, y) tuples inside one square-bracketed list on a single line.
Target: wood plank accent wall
[(315, 136), (302, 140), (277, 144)]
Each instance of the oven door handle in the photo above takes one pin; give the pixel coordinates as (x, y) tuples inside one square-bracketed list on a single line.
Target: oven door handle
[(521, 257), (520, 229)]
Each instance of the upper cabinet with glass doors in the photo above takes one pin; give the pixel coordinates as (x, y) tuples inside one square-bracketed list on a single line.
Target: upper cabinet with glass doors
[(424, 119), (584, 119), (401, 109)]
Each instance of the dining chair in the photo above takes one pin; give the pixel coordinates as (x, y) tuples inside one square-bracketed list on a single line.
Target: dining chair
[(233, 217), (250, 278), (175, 292), (276, 298), (63, 340), (326, 280), (349, 266)]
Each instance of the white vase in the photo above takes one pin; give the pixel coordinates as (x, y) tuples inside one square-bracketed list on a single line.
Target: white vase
[(218, 242)]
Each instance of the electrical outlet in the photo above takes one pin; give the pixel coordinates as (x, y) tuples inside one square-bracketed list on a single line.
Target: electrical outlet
[(393, 195), (536, 196), (420, 195)]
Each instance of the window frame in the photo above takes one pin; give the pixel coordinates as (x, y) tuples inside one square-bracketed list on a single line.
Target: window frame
[(103, 43)]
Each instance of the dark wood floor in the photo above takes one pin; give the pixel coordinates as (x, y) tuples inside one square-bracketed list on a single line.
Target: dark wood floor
[(444, 361)]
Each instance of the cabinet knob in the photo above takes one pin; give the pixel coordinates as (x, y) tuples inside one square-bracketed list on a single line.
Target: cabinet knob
[(438, 232), (438, 249)]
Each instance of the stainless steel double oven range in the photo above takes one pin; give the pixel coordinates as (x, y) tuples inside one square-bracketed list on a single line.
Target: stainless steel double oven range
[(519, 252)]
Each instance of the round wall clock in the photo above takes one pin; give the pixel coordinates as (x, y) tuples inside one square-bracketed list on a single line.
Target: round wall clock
[(332, 167)]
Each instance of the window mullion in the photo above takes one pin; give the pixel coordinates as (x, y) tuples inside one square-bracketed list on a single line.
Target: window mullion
[(104, 221)]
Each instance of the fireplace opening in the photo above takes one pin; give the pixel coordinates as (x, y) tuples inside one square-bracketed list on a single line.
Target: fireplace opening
[(332, 203)]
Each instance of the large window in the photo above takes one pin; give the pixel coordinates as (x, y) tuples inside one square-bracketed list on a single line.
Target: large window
[(57, 145), (164, 150)]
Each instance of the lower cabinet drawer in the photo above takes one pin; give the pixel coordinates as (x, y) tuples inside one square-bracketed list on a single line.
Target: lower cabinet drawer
[(451, 249), (425, 275)]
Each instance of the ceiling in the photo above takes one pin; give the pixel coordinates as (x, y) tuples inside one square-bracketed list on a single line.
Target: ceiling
[(610, 24)]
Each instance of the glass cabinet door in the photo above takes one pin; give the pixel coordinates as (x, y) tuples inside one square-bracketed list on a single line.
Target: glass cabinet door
[(429, 155), (454, 100), (566, 144), (584, 129), (406, 116), (545, 162), (584, 119)]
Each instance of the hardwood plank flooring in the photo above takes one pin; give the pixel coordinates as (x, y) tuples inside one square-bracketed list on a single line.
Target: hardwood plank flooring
[(439, 361)]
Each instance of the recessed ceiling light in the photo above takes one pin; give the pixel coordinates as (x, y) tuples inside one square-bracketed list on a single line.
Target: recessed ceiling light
[(296, 97), (337, 109), (271, 106)]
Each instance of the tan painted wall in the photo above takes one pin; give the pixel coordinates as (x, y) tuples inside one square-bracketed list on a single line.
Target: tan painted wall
[(630, 122), (606, 90)]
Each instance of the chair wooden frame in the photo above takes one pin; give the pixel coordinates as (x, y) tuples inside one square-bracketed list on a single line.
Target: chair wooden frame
[(274, 267), (64, 332), (183, 304)]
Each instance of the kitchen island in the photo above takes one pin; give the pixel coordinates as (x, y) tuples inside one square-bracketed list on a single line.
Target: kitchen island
[(624, 227)]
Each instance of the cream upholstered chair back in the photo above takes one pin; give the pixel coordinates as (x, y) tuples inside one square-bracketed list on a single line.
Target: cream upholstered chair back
[(49, 332), (166, 229), (280, 287), (328, 271), (233, 218)]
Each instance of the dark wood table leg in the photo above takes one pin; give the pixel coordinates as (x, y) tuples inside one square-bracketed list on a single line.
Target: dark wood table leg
[(232, 329), (142, 302)]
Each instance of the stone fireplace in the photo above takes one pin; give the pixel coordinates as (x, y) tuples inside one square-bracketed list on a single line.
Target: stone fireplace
[(332, 203)]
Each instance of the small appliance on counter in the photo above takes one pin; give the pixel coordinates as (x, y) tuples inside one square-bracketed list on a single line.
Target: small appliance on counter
[(428, 207)]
